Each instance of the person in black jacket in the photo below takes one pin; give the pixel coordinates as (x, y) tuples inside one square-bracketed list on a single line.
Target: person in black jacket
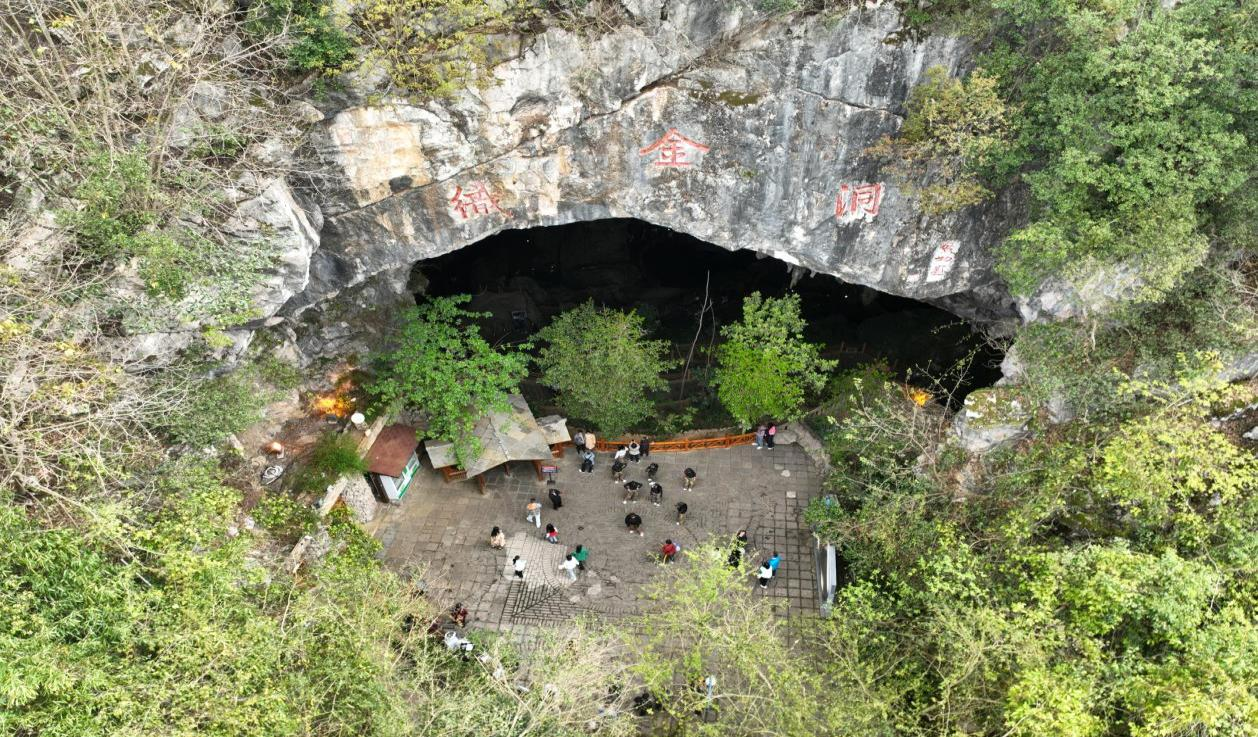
[(631, 491), (556, 499)]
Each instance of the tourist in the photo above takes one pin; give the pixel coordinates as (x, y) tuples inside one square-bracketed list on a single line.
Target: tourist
[(633, 522), (635, 451), (556, 498), (533, 512), (569, 565), (760, 430), (688, 477), (578, 441), (769, 434), (589, 441), (668, 551), (631, 491), (657, 493), (646, 446), (458, 614), (587, 461), (621, 452), (618, 472), (497, 540), (765, 573), (681, 512), (775, 561), (518, 563), (552, 534), (581, 553), (651, 470)]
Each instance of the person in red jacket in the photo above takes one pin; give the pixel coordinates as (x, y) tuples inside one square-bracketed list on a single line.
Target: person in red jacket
[(668, 551)]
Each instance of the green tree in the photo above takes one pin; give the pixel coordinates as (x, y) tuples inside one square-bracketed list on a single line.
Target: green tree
[(702, 622), (602, 365), (446, 370), (765, 366), (1136, 119)]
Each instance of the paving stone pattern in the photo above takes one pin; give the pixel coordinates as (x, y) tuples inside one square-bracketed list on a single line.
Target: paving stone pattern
[(443, 530)]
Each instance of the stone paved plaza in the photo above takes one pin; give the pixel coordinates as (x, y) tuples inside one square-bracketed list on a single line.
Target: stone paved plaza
[(443, 529)]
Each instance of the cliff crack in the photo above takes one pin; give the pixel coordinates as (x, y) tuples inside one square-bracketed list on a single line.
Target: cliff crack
[(848, 103)]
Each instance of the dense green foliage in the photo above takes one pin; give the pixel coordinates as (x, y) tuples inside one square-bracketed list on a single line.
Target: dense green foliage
[(157, 626), (446, 370), (603, 366), (214, 408), (316, 41), (766, 368), (1096, 581), (1081, 363), (1136, 123)]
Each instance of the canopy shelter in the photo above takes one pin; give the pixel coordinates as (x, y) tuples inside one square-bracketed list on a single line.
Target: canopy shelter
[(505, 436)]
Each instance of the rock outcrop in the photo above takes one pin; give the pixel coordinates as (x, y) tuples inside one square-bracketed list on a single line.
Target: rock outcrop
[(700, 116)]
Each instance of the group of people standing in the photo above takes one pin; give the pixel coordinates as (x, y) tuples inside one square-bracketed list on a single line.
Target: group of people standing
[(766, 434), (633, 452)]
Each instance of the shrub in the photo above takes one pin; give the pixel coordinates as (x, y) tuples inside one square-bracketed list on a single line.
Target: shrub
[(954, 130), (333, 456), (317, 41), (116, 204), (215, 409), (284, 517)]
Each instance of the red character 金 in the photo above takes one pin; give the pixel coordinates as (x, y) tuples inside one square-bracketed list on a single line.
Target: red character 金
[(673, 149)]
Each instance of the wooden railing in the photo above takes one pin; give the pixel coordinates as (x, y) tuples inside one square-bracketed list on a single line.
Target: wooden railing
[(679, 446)]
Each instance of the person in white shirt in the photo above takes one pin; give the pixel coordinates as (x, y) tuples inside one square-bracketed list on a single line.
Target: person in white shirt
[(621, 452), (569, 564), (518, 564), (765, 573)]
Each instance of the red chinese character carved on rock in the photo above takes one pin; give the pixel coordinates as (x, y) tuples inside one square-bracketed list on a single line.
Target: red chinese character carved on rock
[(474, 201), (942, 261), (673, 149), (858, 200)]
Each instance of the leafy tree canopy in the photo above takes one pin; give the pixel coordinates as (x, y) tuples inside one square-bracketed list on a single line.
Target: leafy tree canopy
[(603, 366), (446, 370), (765, 365), (1136, 121)]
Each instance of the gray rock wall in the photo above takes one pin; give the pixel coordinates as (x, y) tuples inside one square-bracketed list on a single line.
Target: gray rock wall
[(700, 116)]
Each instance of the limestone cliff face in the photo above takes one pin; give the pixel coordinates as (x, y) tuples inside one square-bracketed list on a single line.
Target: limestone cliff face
[(699, 116)]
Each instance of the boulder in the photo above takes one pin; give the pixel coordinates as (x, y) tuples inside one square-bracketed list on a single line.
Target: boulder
[(992, 417)]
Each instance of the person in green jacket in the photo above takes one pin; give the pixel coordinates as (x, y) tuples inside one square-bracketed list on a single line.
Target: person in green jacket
[(580, 554)]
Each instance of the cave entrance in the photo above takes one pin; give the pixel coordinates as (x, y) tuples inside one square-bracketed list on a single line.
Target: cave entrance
[(525, 277)]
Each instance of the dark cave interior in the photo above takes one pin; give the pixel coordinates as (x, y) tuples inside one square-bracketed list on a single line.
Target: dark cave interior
[(526, 277)]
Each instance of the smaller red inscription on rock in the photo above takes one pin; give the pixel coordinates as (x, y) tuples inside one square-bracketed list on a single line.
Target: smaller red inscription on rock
[(474, 201), (942, 261), (673, 149), (858, 201)]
